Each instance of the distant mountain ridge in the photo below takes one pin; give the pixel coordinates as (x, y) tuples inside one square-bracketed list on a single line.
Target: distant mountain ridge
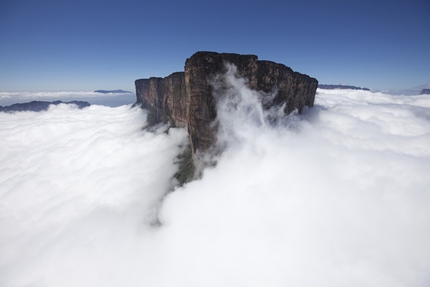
[(38, 106), (411, 91), (112, 92), (341, 87)]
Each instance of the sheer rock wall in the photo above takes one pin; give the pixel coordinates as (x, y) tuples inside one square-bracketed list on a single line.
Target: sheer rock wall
[(185, 99)]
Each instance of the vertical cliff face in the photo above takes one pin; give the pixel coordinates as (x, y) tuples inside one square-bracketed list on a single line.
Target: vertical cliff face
[(164, 98), (293, 89), (187, 99)]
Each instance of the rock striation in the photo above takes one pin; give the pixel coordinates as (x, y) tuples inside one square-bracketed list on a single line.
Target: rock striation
[(165, 99), (293, 89), (185, 99)]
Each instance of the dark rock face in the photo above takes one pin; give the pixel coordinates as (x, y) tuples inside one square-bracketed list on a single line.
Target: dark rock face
[(425, 92), (294, 89), (38, 106), (186, 99), (165, 98), (341, 87)]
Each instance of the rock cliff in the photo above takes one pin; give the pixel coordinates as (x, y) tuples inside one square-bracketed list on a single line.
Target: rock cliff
[(185, 99), (294, 89), (164, 98)]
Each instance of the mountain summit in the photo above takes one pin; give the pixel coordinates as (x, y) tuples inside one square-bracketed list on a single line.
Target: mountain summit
[(189, 99)]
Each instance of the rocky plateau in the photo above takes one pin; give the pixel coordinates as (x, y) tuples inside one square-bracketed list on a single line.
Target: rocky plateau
[(186, 99)]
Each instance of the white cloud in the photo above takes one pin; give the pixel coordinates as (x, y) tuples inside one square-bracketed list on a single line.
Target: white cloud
[(113, 99), (74, 185), (337, 196), (340, 198)]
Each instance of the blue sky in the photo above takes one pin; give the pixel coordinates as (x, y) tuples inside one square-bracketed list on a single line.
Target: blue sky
[(93, 44)]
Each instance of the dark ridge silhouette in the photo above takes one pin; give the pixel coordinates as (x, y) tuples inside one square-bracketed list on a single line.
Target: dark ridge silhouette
[(38, 106), (112, 92), (341, 87)]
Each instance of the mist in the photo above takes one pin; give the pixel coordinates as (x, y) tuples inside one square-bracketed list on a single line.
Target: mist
[(335, 196)]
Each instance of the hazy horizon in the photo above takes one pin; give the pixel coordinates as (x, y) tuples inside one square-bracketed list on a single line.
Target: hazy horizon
[(116, 99)]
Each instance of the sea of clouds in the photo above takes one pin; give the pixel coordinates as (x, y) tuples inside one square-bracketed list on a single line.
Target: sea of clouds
[(336, 196), (110, 99)]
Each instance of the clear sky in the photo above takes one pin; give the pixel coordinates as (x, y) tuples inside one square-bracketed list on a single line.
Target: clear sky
[(48, 45)]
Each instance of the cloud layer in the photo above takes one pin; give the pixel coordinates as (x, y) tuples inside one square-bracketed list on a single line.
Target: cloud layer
[(337, 196), (113, 99)]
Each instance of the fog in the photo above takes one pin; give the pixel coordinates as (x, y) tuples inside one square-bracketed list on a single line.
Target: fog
[(336, 196)]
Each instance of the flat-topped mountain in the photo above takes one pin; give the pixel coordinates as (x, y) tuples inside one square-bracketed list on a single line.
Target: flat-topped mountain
[(112, 92), (185, 99), (341, 87)]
